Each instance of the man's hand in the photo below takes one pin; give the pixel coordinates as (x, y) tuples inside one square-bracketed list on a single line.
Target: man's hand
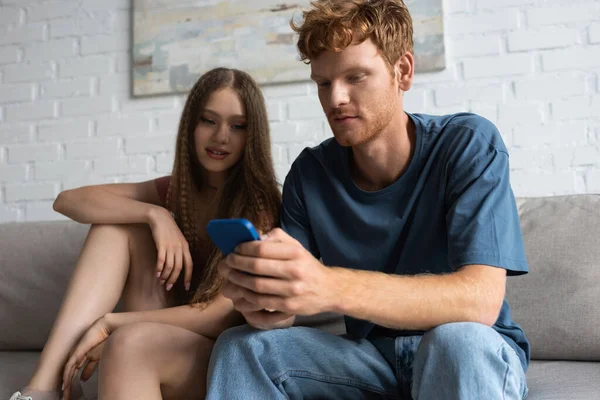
[(277, 273)]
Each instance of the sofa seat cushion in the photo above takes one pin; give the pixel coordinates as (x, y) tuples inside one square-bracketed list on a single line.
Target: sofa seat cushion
[(563, 380), (16, 367)]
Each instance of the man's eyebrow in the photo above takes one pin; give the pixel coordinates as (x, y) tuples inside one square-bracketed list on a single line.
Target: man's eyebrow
[(347, 70)]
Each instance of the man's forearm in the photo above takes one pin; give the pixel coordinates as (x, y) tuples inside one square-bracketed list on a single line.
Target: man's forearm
[(208, 322), (420, 302)]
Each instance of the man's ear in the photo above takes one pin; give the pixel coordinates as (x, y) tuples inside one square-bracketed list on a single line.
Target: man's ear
[(404, 71)]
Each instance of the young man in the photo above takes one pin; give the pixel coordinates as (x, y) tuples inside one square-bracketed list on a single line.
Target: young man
[(416, 225)]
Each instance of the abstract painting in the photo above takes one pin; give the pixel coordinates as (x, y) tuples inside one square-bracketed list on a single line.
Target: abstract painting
[(175, 42)]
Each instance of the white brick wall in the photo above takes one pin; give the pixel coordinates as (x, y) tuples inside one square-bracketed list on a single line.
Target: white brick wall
[(67, 118)]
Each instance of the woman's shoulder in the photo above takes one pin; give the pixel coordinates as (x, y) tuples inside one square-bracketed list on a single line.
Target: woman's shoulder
[(162, 186)]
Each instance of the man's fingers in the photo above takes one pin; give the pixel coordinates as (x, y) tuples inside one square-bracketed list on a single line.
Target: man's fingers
[(270, 249), (244, 306), (259, 266), (262, 285)]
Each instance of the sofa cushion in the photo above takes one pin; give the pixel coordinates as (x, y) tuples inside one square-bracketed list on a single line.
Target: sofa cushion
[(557, 302), (36, 261), (561, 380)]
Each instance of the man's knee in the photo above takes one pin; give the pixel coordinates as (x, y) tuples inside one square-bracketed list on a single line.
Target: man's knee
[(461, 342)]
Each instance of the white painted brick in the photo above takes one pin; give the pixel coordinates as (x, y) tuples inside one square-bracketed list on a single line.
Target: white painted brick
[(30, 191), (150, 144), (556, 134), (113, 84), (164, 163), (413, 101), (29, 112), (274, 110), (13, 173), (485, 110), (563, 15), (281, 171), (495, 4), (51, 10), (28, 72), (587, 155), (42, 211), (592, 180), (550, 86), (308, 108), (456, 6), (122, 165), (313, 130), (501, 20), (519, 113), (514, 64), (105, 43), (594, 33), (487, 93), (9, 15), (475, 46), (547, 38), (146, 103), (572, 58), (64, 130), (11, 134), (85, 66), (128, 126), (546, 184), (123, 62), (85, 106), (9, 213), (93, 5), (86, 23), (61, 170), (66, 88), (51, 50), (120, 20), (169, 122), (286, 90), (92, 148), (285, 132), (525, 159), (428, 78), (21, 34), (280, 154), (89, 178), (9, 54), (33, 152), (16, 92), (577, 107)]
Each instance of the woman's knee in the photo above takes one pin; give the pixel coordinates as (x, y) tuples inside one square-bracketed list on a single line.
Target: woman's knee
[(129, 341)]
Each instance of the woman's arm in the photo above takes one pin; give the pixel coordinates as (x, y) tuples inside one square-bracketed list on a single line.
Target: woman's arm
[(208, 322), (122, 203)]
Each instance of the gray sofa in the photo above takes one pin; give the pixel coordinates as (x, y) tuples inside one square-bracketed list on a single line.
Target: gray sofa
[(557, 303)]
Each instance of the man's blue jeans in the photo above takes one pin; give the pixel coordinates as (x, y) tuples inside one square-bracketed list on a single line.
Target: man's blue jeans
[(452, 361)]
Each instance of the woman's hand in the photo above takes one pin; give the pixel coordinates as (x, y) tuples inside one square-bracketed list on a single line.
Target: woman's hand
[(173, 249), (86, 353)]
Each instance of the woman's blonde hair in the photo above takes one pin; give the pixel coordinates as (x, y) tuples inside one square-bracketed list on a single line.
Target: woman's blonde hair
[(333, 25), (250, 191)]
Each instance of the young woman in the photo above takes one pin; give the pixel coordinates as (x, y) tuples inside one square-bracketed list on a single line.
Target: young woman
[(147, 246)]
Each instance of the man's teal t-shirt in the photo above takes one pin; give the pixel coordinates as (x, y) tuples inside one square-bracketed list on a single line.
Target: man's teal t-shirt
[(452, 207)]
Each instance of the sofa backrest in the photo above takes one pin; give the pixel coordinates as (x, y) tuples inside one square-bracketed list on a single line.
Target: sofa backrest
[(558, 302), (36, 261)]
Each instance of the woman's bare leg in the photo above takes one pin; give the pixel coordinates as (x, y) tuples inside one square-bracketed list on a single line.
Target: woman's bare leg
[(112, 256), (154, 361)]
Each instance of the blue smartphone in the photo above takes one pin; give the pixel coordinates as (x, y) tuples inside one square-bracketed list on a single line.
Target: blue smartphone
[(228, 233)]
